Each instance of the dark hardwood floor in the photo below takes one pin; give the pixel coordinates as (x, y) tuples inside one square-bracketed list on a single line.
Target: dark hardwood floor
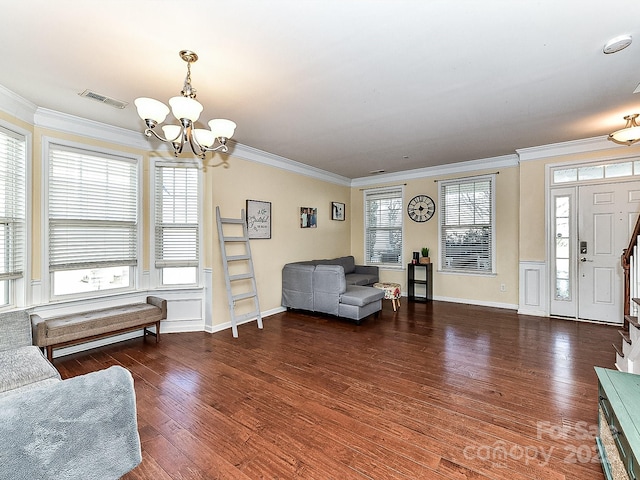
[(435, 391)]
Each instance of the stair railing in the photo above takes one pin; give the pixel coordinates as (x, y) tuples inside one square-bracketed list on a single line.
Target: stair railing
[(628, 261)]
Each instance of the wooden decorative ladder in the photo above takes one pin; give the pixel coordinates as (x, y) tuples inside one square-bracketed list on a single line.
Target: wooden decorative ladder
[(628, 356), (228, 230)]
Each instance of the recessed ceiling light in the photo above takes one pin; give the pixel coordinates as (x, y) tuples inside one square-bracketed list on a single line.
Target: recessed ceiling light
[(616, 44), (376, 172)]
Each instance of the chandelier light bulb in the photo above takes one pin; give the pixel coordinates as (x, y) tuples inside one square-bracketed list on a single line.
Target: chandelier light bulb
[(204, 137), (185, 107), (222, 128), (172, 132), (150, 109)]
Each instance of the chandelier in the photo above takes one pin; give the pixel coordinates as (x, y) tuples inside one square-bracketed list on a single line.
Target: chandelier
[(628, 135), (186, 109)]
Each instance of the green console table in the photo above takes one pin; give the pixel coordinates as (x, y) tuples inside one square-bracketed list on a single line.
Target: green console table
[(618, 437)]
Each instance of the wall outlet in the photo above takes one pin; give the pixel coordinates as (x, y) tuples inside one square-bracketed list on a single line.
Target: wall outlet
[(503, 287)]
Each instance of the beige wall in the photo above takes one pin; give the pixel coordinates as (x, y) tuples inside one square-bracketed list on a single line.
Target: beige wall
[(482, 288), (230, 188)]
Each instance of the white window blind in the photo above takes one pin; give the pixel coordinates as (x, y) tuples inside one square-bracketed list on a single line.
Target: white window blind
[(466, 225), (177, 235), (92, 209), (12, 204), (383, 226)]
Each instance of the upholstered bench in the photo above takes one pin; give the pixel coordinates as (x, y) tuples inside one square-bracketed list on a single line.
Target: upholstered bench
[(83, 327)]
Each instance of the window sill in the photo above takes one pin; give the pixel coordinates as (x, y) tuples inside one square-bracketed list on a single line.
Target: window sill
[(389, 267), (470, 274)]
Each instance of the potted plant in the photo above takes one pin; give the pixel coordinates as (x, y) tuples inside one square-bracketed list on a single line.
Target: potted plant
[(425, 255)]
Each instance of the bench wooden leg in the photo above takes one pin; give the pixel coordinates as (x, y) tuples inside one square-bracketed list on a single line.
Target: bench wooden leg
[(155, 334), (50, 353)]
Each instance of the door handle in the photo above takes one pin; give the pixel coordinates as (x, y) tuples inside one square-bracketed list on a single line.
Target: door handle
[(584, 259)]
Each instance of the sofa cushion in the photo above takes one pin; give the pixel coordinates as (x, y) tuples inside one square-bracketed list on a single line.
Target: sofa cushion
[(16, 329), (360, 296), (360, 279), (23, 366), (297, 285), (347, 263)]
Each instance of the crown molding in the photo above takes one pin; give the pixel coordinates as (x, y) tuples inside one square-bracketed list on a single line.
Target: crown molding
[(24, 110), (259, 156), (84, 127), (503, 161), (16, 106), (572, 147)]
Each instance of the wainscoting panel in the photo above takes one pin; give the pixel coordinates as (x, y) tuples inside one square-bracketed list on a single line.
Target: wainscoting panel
[(533, 289)]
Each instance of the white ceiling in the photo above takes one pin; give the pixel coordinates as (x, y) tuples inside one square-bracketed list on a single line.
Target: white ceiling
[(348, 86)]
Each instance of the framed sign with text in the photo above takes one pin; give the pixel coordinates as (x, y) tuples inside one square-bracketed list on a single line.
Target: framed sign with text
[(258, 219)]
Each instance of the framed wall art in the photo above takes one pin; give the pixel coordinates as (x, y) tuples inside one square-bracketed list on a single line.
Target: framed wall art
[(308, 217), (337, 211), (258, 219)]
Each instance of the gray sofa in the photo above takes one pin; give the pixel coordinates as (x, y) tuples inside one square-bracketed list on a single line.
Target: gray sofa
[(81, 428), (336, 287)]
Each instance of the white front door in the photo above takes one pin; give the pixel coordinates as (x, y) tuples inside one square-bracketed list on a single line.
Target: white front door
[(593, 224)]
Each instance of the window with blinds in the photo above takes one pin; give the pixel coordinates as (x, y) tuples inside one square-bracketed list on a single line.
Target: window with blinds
[(177, 224), (383, 214), (12, 211), (93, 220), (467, 225)]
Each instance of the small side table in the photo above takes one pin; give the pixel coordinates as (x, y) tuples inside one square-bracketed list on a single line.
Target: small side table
[(391, 292), (420, 282)]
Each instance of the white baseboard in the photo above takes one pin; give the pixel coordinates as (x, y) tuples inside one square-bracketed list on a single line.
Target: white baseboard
[(508, 306), (534, 312), (227, 325)]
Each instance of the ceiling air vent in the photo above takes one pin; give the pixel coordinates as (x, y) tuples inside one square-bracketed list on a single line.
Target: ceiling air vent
[(103, 99)]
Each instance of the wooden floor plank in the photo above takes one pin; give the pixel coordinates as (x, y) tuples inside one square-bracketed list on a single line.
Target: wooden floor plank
[(433, 391)]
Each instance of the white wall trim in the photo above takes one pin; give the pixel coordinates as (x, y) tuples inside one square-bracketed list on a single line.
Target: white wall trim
[(440, 170), (84, 127), (254, 155), (533, 289), (227, 325), (21, 286), (17, 106), (207, 304), (481, 303), (573, 147)]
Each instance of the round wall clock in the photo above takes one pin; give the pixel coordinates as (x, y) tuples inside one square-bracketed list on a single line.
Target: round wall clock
[(421, 208)]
